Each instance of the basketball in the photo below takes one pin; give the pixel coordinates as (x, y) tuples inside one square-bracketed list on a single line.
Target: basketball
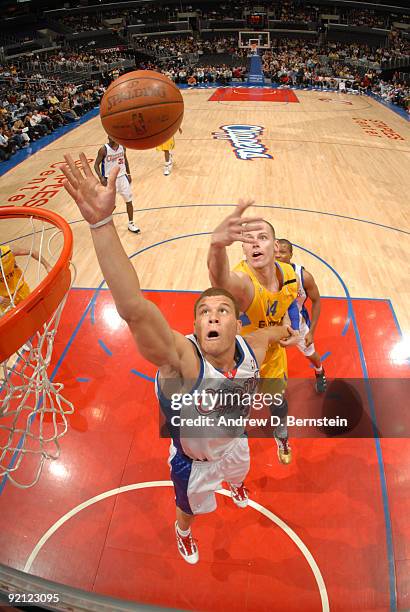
[(142, 109)]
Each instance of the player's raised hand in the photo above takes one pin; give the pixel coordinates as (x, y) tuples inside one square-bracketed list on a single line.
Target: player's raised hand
[(95, 201), (233, 227), (292, 339), (308, 339)]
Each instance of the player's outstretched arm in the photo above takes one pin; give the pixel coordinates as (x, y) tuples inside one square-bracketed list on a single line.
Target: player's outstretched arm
[(35, 255), (97, 165), (229, 231), (312, 292), (127, 166), (155, 339), (261, 339)]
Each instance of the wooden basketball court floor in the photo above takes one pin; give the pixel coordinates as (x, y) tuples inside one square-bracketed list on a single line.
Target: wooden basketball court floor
[(330, 531)]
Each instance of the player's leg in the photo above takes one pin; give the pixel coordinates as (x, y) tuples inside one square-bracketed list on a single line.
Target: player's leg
[(235, 469), (185, 542), (168, 162), (168, 147), (313, 356), (124, 190), (275, 373), (131, 225), (281, 432), (321, 382), (184, 520), (181, 467)]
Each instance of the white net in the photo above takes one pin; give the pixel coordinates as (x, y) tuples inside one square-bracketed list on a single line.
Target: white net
[(33, 412)]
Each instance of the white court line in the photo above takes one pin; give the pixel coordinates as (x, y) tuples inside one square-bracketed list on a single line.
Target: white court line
[(265, 92), (168, 483)]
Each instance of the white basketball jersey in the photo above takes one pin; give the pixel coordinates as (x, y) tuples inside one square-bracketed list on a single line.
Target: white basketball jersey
[(302, 295), (212, 441), (113, 157)]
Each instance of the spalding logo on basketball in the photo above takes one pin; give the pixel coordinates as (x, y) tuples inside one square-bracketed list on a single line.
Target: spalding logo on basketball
[(142, 109)]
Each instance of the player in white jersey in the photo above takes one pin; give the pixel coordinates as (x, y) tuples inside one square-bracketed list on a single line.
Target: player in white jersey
[(307, 288), (198, 466), (215, 382), (113, 155)]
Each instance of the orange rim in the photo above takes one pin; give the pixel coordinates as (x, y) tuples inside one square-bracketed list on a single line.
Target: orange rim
[(31, 313)]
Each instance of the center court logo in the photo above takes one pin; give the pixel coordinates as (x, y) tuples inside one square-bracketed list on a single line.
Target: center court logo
[(245, 140)]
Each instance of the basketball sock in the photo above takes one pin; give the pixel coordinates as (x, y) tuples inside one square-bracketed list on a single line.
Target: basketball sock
[(183, 533), (319, 370)]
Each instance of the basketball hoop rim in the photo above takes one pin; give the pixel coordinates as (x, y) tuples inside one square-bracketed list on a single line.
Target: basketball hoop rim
[(31, 313)]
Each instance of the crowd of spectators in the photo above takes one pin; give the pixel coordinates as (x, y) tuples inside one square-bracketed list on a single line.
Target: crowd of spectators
[(82, 23), (180, 45), (62, 62), (297, 53), (289, 62), (292, 12), (395, 92), (32, 106), (285, 49), (117, 21), (36, 109), (286, 11), (222, 74), (364, 18), (289, 11)]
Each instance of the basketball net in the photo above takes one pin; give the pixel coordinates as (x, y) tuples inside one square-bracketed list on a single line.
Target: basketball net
[(33, 412)]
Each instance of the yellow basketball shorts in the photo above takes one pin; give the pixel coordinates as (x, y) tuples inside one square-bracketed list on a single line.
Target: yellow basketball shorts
[(275, 364), (167, 146), (22, 292)]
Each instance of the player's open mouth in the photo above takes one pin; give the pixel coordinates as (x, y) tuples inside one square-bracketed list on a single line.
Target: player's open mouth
[(212, 335), (256, 255)]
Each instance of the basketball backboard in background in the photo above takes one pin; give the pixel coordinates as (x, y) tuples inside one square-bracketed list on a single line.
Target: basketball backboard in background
[(248, 39)]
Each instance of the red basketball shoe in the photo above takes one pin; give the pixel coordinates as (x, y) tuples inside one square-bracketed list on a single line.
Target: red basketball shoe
[(187, 547), (239, 495)]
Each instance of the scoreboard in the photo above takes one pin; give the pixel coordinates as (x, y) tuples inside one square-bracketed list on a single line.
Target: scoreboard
[(256, 21)]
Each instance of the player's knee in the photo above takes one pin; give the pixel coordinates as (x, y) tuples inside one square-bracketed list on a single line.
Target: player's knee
[(280, 410)]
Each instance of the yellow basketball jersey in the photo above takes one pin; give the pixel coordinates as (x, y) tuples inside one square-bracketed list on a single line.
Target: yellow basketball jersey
[(268, 308), (167, 146), (11, 278)]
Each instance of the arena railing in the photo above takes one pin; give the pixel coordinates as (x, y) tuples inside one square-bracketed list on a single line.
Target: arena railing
[(276, 24), (17, 587), (396, 62), (163, 33)]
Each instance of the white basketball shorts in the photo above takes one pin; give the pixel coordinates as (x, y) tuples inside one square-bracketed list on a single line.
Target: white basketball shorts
[(195, 482), (303, 330), (123, 187)]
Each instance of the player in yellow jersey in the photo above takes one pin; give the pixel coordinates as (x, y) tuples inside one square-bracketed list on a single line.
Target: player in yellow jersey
[(307, 288), (265, 289), (167, 147), (13, 287)]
